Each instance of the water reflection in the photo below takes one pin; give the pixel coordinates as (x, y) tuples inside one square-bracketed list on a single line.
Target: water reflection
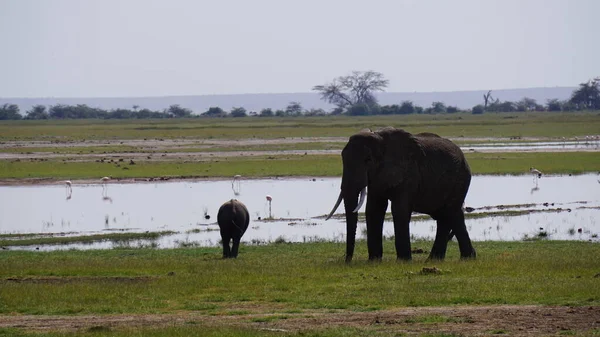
[(561, 205)]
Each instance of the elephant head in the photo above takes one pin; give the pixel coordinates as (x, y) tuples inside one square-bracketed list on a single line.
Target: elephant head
[(379, 160)]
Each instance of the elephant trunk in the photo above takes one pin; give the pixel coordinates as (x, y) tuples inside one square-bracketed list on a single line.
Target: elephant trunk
[(351, 207)]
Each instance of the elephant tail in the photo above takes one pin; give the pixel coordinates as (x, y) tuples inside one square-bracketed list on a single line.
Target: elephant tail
[(238, 227)]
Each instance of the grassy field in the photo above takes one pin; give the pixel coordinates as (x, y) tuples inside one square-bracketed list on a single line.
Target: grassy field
[(280, 281), (551, 125), (285, 165), (283, 282)]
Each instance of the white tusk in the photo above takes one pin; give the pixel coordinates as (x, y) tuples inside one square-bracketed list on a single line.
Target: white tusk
[(363, 193), (337, 204)]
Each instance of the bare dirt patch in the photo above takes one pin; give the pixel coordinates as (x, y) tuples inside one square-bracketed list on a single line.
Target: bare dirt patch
[(460, 320)]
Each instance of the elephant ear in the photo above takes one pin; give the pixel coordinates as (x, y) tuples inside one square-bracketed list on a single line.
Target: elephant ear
[(402, 151), (401, 145)]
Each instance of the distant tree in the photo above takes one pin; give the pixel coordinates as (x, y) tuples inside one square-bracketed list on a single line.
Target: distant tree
[(486, 99), (214, 112), (567, 105), (121, 114), (526, 104), (37, 112), (293, 109), (177, 111), (358, 110), (418, 109), (144, 113), (238, 112), (507, 106), (478, 109), (336, 111), (406, 107), (438, 107), (60, 111), (315, 112), (9, 111), (356, 89), (393, 109), (280, 113), (452, 109), (268, 112), (587, 96)]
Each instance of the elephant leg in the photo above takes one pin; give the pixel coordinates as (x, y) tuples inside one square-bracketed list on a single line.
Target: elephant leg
[(464, 242), (375, 212), (226, 248), (442, 236), (235, 247), (402, 214)]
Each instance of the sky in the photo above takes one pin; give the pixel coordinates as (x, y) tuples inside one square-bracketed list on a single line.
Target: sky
[(124, 48)]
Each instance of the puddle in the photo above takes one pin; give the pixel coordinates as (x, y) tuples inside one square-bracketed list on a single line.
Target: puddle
[(567, 208)]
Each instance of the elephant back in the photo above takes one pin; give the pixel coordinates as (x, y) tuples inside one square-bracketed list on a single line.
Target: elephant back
[(233, 216)]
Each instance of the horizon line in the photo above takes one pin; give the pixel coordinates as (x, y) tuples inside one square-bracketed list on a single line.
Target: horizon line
[(270, 93)]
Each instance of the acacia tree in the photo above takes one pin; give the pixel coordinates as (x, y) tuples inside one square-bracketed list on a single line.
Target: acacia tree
[(354, 89), (37, 112), (9, 111), (588, 95)]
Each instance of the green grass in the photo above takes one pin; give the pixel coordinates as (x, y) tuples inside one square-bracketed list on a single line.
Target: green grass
[(293, 277), (277, 282), (554, 125), (87, 150), (287, 165)]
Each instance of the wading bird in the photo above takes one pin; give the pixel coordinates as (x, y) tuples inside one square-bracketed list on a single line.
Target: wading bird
[(535, 172), (269, 199), (235, 184), (104, 187), (69, 190)]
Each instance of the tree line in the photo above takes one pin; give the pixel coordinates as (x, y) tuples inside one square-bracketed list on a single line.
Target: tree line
[(352, 95)]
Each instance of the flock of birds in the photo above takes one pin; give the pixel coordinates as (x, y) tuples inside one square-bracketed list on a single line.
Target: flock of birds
[(104, 180), (235, 185)]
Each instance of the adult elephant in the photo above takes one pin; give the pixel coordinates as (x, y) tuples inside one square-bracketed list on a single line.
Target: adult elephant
[(424, 173), (233, 219)]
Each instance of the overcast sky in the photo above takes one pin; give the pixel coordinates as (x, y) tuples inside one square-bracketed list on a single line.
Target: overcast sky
[(106, 48)]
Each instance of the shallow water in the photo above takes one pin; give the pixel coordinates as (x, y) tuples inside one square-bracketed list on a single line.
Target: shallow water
[(182, 207), (535, 146)]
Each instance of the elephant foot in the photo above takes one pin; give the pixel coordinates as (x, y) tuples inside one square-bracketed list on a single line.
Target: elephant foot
[(404, 258), (435, 257), (375, 258), (348, 259), (471, 256)]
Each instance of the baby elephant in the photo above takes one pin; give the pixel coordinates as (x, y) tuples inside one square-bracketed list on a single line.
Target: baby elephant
[(233, 219)]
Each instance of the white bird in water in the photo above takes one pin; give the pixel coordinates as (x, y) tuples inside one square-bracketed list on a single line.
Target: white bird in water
[(269, 199), (535, 172), (69, 189), (104, 181), (236, 187)]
